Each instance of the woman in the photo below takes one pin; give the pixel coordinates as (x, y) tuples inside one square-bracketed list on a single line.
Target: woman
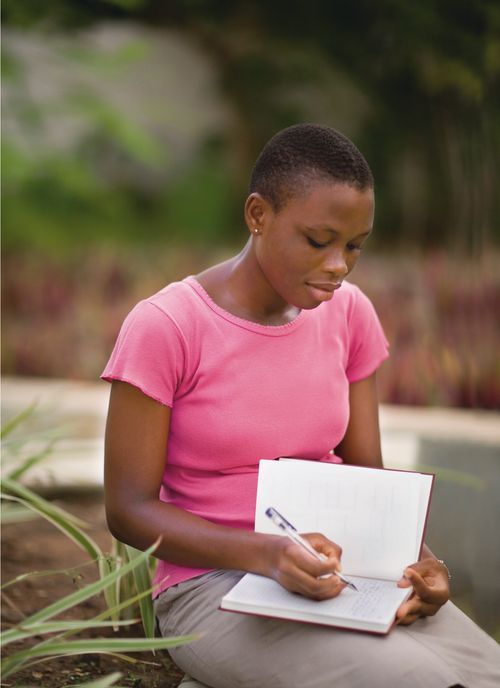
[(268, 354)]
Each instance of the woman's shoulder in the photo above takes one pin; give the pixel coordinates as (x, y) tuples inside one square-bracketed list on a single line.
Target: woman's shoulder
[(174, 297), (175, 305)]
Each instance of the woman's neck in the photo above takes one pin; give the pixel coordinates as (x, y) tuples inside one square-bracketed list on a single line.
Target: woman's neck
[(238, 286)]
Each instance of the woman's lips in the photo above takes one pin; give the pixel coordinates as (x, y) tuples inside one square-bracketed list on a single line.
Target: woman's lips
[(323, 291)]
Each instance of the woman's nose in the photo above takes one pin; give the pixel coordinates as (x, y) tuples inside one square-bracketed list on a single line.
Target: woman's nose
[(335, 264)]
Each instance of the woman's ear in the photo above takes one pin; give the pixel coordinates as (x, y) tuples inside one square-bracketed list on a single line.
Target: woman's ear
[(256, 211)]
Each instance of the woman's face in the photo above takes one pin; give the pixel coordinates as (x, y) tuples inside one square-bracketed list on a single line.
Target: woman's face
[(306, 249)]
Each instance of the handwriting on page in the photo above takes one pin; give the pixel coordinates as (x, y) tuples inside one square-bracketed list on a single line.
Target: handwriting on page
[(376, 600), (372, 515), (372, 601)]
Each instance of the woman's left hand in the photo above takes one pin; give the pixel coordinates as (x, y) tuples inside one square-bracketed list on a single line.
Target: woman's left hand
[(431, 590)]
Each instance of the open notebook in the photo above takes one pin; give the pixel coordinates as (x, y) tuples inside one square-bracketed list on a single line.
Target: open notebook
[(378, 517)]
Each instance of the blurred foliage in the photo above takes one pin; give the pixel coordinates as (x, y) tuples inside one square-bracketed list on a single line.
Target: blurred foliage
[(428, 73), (440, 316), (90, 227)]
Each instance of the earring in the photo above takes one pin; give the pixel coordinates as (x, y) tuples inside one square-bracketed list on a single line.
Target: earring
[(255, 230)]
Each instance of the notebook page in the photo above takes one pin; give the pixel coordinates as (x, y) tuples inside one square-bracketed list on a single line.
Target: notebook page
[(376, 600), (426, 481), (372, 514)]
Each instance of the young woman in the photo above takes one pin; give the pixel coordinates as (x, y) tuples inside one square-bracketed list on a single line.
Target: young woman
[(271, 353)]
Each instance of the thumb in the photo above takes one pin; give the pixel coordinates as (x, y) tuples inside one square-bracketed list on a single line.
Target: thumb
[(414, 579), (404, 582)]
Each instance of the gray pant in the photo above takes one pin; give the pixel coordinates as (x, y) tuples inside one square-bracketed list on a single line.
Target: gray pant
[(244, 651)]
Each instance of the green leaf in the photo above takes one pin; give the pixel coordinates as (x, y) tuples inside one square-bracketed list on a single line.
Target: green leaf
[(105, 645), (58, 517), (89, 590), (97, 646), (31, 461), (49, 572), (76, 534), (142, 580), (13, 487), (24, 630), (16, 514), (113, 611), (17, 420)]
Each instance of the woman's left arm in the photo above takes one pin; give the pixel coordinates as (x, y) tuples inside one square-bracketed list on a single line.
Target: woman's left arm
[(361, 447)]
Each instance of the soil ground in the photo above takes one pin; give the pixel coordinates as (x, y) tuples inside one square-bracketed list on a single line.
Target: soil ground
[(36, 545)]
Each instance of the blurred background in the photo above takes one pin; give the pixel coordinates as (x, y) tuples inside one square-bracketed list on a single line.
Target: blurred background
[(130, 128), (129, 131)]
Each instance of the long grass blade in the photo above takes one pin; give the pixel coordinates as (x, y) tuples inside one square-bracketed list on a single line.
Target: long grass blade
[(17, 513), (89, 590), (111, 594), (104, 645), (122, 605), (16, 489), (31, 461), (44, 508), (49, 572), (143, 582), (12, 424), (23, 630), (112, 613), (94, 646)]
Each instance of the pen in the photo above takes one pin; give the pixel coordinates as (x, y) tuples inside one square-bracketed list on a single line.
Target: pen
[(291, 532)]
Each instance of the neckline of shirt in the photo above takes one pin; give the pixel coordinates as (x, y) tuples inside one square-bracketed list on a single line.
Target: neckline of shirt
[(269, 330)]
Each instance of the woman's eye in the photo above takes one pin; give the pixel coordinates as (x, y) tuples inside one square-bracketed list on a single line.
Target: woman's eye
[(315, 244), (353, 247)]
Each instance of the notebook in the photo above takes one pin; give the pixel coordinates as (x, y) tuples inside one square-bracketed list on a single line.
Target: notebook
[(377, 516)]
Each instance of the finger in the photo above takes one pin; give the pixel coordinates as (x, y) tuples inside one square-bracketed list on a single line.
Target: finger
[(324, 588), (430, 568), (416, 607), (329, 552), (311, 586), (404, 582), (323, 545), (431, 589), (419, 585), (301, 560)]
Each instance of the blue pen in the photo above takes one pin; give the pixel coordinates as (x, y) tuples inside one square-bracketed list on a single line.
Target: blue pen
[(290, 531)]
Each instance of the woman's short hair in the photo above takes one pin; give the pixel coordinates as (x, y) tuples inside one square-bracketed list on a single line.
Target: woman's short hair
[(301, 155)]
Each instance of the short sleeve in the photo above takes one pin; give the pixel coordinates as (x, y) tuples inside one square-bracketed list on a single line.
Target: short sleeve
[(148, 354), (368, 346)]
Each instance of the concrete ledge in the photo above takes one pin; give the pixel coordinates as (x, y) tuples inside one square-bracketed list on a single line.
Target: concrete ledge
[(78, 410)]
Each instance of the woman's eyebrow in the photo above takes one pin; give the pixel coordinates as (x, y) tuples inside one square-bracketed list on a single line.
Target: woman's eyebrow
[(334, 231)]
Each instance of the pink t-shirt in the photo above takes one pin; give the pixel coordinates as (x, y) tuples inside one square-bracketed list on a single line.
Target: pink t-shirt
[(241, 392)]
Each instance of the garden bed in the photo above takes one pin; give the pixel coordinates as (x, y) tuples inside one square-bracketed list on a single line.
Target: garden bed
[(36, 545)]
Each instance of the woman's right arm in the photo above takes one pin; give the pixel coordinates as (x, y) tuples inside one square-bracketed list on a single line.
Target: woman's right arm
[(135, 454)]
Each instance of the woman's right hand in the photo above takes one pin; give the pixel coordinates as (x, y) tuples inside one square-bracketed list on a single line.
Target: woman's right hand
[(298, 571)]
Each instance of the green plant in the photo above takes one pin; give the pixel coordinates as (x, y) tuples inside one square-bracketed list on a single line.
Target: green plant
[(124, 579), (42, 623)]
